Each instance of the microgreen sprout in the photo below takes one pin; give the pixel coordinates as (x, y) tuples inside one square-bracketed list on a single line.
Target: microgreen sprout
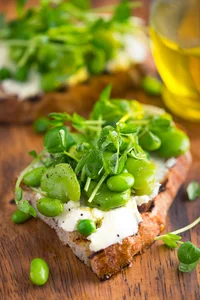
[(22, 204), (188, 254)]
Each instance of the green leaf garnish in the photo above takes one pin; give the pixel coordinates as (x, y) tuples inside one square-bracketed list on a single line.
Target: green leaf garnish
[(20, 6), (185, 268), (122, 12), (24, 206), (171, 240), (33, 153), (193, 190), (188, 253), (18, 194)]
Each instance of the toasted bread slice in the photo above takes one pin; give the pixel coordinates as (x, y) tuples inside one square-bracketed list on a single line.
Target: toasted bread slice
[(78, 98), (114, 258)]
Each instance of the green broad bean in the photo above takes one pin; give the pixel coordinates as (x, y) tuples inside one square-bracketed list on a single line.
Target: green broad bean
[(19, 217), (50, 82), (50, 207), (96, 61), (39, 271), (149, 141), (86, 227), (106, 199), (152, 86), (147, 190), (106, 41), (121, 182), (174, 142), (143, 172), (41, 125), (33, 177), (60, 182)]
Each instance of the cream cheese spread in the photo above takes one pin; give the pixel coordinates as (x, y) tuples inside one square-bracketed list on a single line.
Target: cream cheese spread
[(111, 230), (23, 90)]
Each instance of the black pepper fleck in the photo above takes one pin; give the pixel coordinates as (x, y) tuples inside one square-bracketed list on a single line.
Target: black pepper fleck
[(81, 214), (12, 201), (118, 235)]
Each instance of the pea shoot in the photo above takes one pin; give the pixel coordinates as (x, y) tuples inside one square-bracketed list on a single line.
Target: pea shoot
[(188, 253)]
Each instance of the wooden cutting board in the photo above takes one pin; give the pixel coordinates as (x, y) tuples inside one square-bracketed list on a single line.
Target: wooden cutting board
[(153, 275)]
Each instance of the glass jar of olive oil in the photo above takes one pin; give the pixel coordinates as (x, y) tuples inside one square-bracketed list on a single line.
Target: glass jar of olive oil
[(175, 36)]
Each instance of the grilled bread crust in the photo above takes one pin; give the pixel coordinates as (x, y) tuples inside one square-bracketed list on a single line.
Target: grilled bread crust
[(114, 258), (78, 98)]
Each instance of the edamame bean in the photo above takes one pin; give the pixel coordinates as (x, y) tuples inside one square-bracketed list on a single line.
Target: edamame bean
[(33, 177), (174, 142), (60, 182), (143, 172), (106, 199), (149, 141), (86, 227), (19, 217), (39, 271), (50, 207), (121, 182)]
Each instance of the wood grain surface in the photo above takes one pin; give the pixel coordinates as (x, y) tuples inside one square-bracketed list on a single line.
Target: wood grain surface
[(153, 275)]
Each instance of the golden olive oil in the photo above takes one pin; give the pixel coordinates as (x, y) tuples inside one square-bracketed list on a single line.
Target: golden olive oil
[(175, 40)]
